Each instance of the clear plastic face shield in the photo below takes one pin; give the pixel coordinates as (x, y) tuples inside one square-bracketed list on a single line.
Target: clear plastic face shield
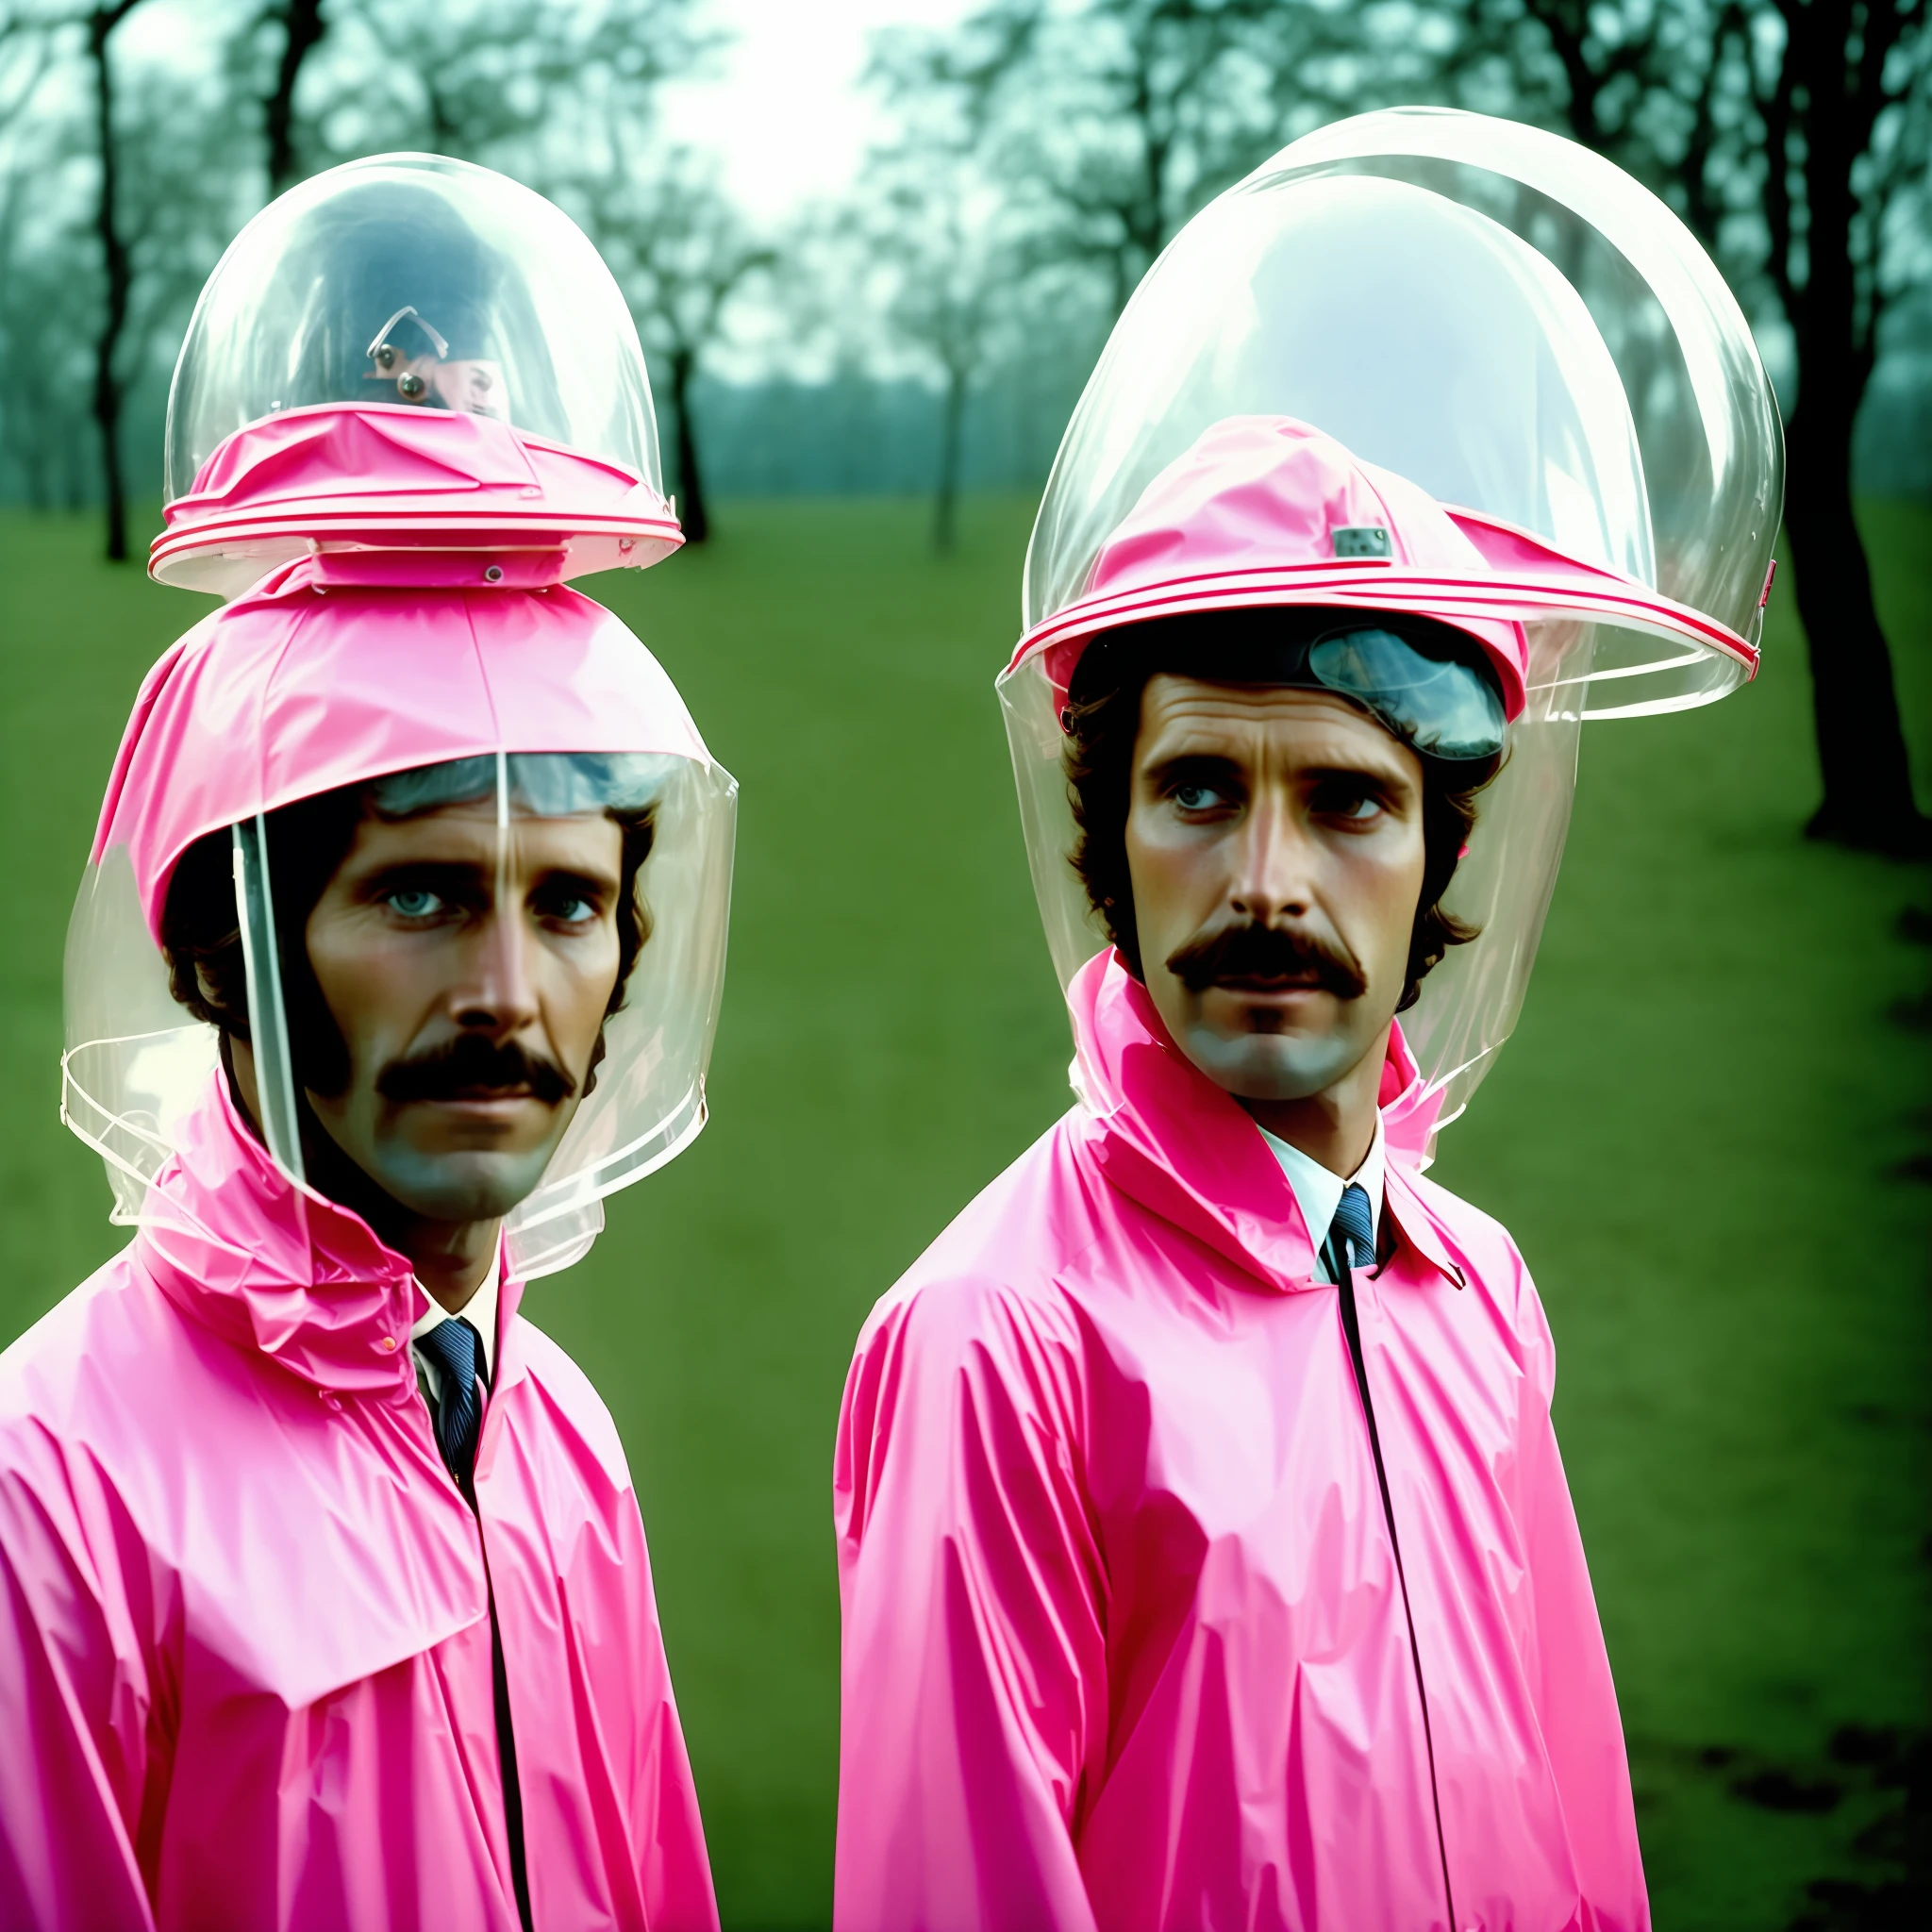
[(413, 282), (1519, 328), (484, 989)]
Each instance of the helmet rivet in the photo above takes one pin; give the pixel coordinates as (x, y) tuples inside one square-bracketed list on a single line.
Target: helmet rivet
[(410, 385), (493, 575)]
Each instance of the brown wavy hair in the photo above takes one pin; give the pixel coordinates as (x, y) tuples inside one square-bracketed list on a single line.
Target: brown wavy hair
[(1102, 722)]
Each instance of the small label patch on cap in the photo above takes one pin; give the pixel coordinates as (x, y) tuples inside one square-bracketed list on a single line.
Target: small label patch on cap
[(1360, 539)]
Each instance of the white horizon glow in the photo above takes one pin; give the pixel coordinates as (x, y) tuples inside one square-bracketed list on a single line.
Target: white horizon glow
[(781, 107)]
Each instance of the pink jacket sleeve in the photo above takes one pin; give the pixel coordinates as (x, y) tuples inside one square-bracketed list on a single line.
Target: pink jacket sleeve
[(75, 1699), (1576, 1701), (975, 1669)]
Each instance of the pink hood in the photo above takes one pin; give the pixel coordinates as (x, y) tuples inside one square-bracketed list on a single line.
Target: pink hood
[(246, 1659), (1247, 515), (1125, 1636), (308, 683)]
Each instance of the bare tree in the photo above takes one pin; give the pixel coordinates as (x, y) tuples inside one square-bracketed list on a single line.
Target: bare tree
[(1110, 122), (1794, 137), (44, 326), (296, 28), (680, 253), (116, 273), (946, 270), (44, 330), (181, 200), (516, 82), (98, 25), (25, 52)]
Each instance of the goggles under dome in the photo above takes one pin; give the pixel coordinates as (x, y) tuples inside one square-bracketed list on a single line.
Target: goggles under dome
[(1416, 679)]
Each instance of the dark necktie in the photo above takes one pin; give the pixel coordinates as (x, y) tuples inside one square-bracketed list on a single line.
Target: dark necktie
[(457, 1350), (1353, 1228)]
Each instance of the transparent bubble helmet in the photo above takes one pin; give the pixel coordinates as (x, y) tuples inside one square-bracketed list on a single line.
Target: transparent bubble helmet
[(1524, 331), (490, 368), (137, 1066)]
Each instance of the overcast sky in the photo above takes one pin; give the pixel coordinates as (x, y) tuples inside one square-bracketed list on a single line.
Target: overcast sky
[(783, 109)]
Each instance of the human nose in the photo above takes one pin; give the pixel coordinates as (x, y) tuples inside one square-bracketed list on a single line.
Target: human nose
[(498, 994), (1272, 878)]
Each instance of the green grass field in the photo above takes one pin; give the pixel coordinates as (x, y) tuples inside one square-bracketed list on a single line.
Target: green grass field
[(1704, 1136)]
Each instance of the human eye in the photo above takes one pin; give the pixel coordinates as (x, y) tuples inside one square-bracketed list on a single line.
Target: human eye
[(570, 904), (1197, 793), (419, 894), (1351, 800), (413, 902)]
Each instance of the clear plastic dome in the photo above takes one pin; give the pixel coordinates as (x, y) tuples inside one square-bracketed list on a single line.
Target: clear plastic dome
[(416, 357), (419, 283), (1519, 328), (1499, 315)]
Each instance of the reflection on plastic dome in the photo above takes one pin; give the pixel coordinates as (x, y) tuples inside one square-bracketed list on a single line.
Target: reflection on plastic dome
[(415, 282), (1451, 353), (1705, 416), (1498, 315)]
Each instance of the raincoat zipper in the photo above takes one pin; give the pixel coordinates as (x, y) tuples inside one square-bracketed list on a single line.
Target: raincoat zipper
[(1351, 1327)]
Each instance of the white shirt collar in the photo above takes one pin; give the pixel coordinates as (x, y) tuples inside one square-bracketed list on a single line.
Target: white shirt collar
[(1318, 1192), (479, 1311)]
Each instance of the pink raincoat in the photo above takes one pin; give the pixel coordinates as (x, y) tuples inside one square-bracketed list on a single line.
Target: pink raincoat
[(245, 1672), (245, 1654), (1125, 1634)]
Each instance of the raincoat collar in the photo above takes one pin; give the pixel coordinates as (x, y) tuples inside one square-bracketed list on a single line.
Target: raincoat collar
[(281, 1271), (1165, 1134)]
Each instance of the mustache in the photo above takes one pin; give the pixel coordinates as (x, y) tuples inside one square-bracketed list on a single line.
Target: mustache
[(1248, 953), (469, 1062)]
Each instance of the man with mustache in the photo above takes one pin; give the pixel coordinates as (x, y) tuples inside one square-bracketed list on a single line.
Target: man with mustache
[(324, 1597), (1205, 1550), (1205, 1553)]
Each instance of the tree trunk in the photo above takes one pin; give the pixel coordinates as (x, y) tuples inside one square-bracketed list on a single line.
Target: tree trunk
[(301, 27), (34, 451), (117, 276), (945, 502), (691, 518), (1861, 748)]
